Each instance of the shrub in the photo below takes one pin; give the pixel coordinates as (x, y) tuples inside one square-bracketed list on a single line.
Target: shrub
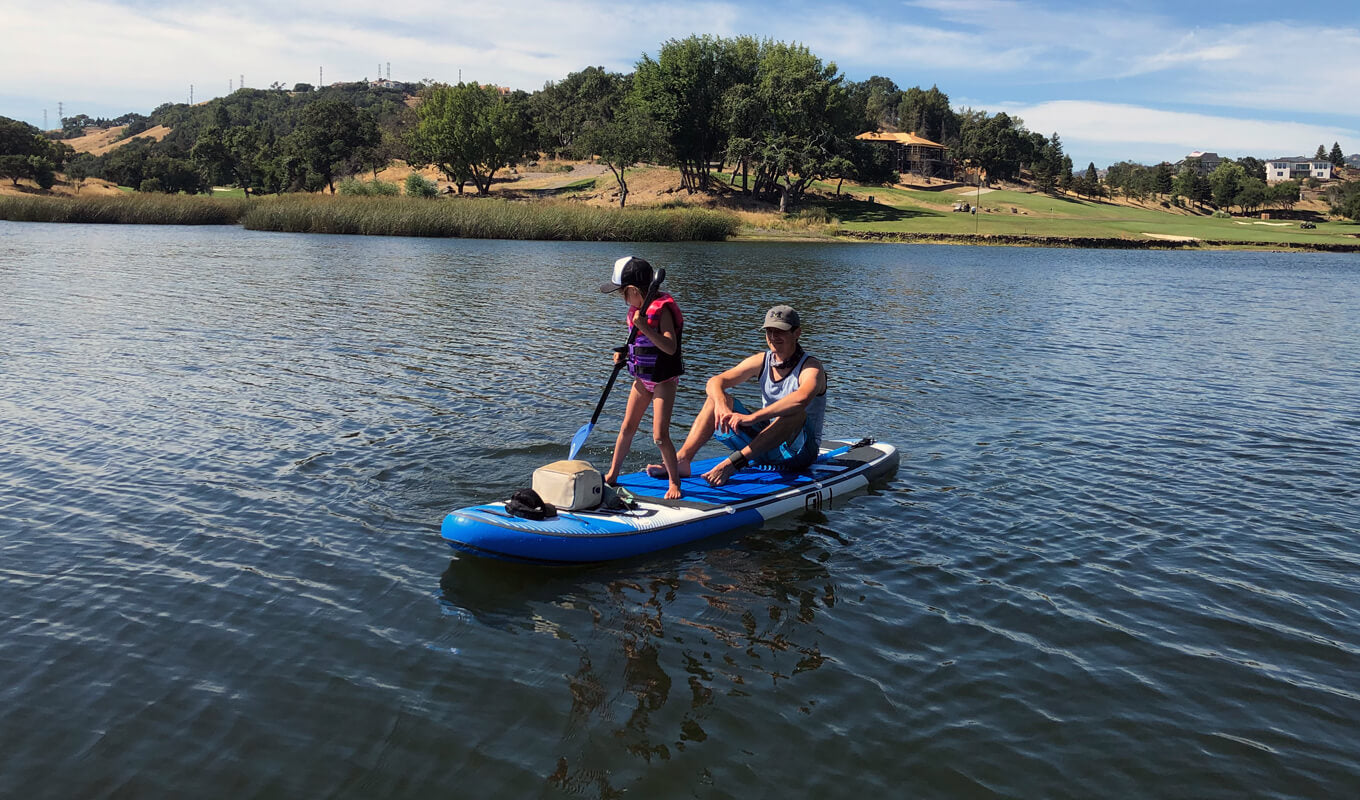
[(486, 218), (1221, 214), (373, 188), (419, 186), (139, 209)]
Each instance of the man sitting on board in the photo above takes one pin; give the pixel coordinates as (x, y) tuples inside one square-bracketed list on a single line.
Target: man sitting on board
[(786, 432)]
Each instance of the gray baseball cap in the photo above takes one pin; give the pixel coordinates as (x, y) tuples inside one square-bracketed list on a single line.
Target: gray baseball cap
[(782, 317)]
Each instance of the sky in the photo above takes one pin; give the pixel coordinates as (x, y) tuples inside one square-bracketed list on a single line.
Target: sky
[(1144, 80)]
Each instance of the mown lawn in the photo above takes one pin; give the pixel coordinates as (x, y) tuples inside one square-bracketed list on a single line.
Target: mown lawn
[(920, 211)]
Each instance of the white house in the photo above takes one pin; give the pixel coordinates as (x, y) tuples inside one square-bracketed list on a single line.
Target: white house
[(1297, 169)]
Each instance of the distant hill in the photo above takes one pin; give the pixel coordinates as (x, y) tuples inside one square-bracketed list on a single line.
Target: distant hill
[(98, 141)]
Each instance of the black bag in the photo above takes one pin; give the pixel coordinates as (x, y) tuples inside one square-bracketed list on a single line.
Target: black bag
[(527, 504)]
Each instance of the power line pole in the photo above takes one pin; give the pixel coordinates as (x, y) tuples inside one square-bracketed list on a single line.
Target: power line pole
[(191, 94)]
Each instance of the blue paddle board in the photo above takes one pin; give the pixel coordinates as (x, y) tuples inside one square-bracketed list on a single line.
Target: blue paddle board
[(654, 523)]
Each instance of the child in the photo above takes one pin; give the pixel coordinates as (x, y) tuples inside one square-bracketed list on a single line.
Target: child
[(654, 362)]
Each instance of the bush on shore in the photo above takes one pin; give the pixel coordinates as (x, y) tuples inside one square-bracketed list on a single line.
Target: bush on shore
[(131, 209), (486, 218), (418, 185), (471, 218)]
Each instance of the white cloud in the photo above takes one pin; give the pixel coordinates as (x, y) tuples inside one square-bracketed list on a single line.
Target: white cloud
[(1115, 132)]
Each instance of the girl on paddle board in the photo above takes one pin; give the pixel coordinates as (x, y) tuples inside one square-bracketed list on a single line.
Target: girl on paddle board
[(653, 360)]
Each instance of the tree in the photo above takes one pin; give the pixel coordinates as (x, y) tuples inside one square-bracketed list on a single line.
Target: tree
[(1164, 177), (682, 90), (1320, 154), (1252, 194), (1254, 167), (794, 124), (1337, 158), (14, 167), (879, 99), (621, 137), (927, 113), (997, 145), (1224, 183), (329, 134), (1345, 199), (565, 108), (469, 132), (1283, 194)]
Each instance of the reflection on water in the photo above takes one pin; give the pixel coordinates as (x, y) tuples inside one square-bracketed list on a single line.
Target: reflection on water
[(659, 657)]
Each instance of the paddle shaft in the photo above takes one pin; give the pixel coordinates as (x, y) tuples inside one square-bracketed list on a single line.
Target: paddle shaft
[(652, 292)]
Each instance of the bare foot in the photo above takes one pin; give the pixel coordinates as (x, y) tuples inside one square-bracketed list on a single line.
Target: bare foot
[(720, 474), (659, 470), (674, 492), (611, 480)]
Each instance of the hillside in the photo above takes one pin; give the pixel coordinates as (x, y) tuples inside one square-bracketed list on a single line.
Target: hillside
[(98, 141)]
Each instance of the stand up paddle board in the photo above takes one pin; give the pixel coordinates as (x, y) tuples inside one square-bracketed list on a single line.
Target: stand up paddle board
[(752, 496)]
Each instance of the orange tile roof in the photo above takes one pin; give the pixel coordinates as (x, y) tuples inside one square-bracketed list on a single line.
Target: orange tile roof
[(900, 138)]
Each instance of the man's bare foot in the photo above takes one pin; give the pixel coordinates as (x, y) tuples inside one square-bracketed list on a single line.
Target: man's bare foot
[(659, 470), (674, 492), (720, 474)]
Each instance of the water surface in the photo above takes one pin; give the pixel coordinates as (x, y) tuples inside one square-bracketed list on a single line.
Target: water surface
[(1119, 558)]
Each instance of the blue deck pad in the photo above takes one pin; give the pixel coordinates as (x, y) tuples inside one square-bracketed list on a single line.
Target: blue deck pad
[(746, 484)]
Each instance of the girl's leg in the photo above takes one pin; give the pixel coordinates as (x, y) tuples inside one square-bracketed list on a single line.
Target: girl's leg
[(662, 404), (638, 399)]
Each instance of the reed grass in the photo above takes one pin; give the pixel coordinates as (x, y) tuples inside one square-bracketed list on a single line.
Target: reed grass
[(128, 209), (486, 218)]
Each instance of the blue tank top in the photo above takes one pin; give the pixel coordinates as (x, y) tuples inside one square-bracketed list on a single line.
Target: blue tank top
[(772, 390)]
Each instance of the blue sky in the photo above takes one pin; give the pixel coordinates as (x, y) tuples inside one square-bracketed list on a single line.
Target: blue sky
[(1144, 81)]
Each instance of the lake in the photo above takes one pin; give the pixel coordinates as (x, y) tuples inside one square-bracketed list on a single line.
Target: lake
[(1120, 558)]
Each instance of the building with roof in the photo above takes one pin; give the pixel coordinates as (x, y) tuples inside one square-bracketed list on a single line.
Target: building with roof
[(1203, 162), (1297, 168), (915, 154)]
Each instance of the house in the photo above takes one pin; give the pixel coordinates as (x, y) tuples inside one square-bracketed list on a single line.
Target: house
[(1205, 162), (1297, 168), (912, 153)]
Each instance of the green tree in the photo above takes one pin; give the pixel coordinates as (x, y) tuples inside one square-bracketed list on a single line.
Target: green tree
[(328, 136), (1345, 199), (682, 90), (997, 145), (1320, 154), (927, 113), (1283, 194), (620, 137), (878, 99), (1165, 176), (797, 122), (469, 132), (1252, 195), (1224, 183), (1253, 167), (565, 108), (14, 167), (1337, 158)]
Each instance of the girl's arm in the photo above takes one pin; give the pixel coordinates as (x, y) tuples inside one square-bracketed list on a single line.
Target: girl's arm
[(663, 335)]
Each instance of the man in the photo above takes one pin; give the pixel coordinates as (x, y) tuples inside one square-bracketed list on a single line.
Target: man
[(786, 431)]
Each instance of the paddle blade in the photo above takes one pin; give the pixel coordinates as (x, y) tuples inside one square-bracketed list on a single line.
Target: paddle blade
[(579, 439)]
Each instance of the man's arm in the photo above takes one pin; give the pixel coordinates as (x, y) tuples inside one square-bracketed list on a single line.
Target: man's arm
[(718, 385), (811, 383)]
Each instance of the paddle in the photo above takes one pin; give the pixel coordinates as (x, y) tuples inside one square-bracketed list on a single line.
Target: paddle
[(583, 433)]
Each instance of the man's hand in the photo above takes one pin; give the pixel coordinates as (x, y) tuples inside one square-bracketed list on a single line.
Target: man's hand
[(727, 421)]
